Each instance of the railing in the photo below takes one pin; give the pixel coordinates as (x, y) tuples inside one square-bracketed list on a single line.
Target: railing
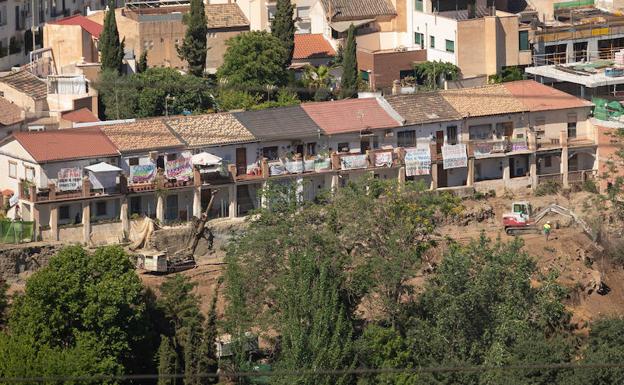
[(485, 148), (545, 178), (581, 176)]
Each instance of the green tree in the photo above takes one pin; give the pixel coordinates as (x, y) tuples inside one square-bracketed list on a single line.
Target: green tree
[(191, 355), (180, 306), (317, 77), (229, 100), (194, 47), (142, 63), (285, 98), (253, 60), (117, 95), (208, 361), (350, 74), (431, 72), (111, 49), (3, 300), (168, 362), (283, 28)]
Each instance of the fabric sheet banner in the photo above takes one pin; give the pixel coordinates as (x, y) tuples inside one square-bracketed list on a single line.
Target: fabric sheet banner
[(276, 168), (383, 159), (180, 169), (519, 144), (322, 164), (294, 166), (454, 156), (350, 162), (69, 179), (417, 161), (142, 173), (483, 149)]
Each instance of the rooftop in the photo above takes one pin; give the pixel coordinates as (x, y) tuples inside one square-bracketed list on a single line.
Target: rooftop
[(142, 135), (422, 108), (88, 25), (589, 74), (349, 115), (538, 97), (56, 145), (358, 9), (493, 99), (279, 123), (311, 46), (225, 16), (10, 113), (209, 129), (27, 83), (82, 115)]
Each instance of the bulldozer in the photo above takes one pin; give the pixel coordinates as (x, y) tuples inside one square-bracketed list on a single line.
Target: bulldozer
[(159, 262), (521, 220)]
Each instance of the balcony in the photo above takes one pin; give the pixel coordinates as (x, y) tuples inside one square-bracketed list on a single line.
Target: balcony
[(493, 147)]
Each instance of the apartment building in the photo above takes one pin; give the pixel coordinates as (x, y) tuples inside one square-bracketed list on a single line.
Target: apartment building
[(16, 22), (506, 136)]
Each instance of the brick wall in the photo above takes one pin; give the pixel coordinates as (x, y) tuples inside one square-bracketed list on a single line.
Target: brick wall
[(386, 66)]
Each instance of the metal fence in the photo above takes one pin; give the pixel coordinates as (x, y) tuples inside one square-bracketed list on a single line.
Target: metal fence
[(16, 231)]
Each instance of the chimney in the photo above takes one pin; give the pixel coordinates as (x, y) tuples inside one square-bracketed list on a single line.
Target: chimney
[(396, 87)]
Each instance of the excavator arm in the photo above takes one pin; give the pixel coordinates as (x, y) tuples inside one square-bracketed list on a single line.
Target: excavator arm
[(554, 208)]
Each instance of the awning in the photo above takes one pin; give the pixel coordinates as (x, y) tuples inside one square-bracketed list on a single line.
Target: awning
[(341, 26), (205, 159), (102, 167)]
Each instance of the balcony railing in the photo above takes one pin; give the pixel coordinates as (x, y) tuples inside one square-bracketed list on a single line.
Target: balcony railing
[(486, 148)]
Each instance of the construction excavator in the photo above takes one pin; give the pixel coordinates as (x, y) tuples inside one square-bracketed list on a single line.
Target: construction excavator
[(522, 221), (159, 262)]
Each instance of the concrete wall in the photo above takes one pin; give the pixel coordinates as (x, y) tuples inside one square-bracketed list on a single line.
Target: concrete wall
[(70, 44), (441, 28), (12, 151), (489, 168), (31, 107), (386, 67), (216, 46), (49, 171), (557, 120)]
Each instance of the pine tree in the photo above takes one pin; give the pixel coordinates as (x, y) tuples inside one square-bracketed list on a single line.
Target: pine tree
[(167, 361), (349, 84), (194, 46), (111, 49), (191, 355), (142, 63), (208, 362), (283, 27)]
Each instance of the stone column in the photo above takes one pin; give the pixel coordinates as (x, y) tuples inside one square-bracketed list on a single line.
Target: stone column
[(123, 216), (401, 177), (335, 183), (197, 206), (264, 200), (564, 166), (533, 170), (434, 176), (299, 190), (233, 201), (470, 178), (86, 222), (160, 208), (506, 171), (54, 222)]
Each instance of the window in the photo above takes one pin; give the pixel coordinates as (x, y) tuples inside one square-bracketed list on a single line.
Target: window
[(432, 41), (29, 173), (450, 46), (547, 161), (270, 153), (303, 12), (364, 75), (100, 209), (63, 212), (406, 73), (160, 162), (343, 147), (12, 170), (418, 6), (212, 35), (523, 36), (572, 125), (451, 134), (540, 124), (3, 15), (171, 157), (418, 39), (482, 131), (133, 161), (311, 148), (406, 138)]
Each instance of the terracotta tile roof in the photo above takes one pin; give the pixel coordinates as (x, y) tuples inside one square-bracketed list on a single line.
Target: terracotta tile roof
[(210, 129), (142, 135), (279, 123), (88, 25), (82, 115), (312, 45), (424, 107), (350, 115), (480, 101), (358, 9), (75, 143), (538, 97), (225, 16), (10, 113), (26, 83)]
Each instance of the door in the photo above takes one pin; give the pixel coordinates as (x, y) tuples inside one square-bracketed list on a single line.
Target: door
[(442, 182), (512, 167), (508, 129), (171, 214), (439, 141), (241, 161), (364, 144), (135, 205)]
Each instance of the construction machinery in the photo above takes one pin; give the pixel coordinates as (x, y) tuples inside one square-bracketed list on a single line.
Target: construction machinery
[(159, 262), (521, 220)]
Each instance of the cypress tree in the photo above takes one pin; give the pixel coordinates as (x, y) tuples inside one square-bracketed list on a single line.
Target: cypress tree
[(111, 49), (191, 355), (167, 361), (208, 362), (283, 27), (194, 46), (142, 63), (349, 84)]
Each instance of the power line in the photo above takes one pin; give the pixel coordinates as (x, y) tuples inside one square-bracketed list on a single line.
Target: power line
[(321, 372)]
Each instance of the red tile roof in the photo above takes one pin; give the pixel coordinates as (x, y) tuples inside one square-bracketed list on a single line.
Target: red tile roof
[(74, 143), (10, 113), (538, 97), (87, 24), (350, 115), (82, 115), (310, 46)]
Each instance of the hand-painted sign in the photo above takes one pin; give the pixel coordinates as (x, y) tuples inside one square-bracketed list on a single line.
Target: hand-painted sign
[(69, 179), (383, 159), (180, 169), (350, 162), (417, 161), (322, 164), (454, 156), (142, 173)]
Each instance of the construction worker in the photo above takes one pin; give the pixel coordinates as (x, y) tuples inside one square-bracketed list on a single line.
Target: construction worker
[(547, 228)]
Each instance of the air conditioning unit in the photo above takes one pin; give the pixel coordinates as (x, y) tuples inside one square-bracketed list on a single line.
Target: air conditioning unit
[(36, 128)]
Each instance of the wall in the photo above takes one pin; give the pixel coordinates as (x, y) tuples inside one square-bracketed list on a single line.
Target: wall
[(51, 170), (557, 120), (489, 168), (519, 121), (442, 28), (217, 47), (31, 107), (15, 152), (471, 47), (69, 44), (386, 67)]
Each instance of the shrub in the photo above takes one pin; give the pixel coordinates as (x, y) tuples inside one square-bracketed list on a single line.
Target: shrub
[(590, 186), (548, 188)]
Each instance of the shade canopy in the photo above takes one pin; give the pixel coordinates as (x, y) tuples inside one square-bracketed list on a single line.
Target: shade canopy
[(205, 159), (341, 26), (102, 167)]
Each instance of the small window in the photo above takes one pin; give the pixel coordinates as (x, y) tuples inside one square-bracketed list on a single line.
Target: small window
[(450, 46), (418, 39), (548, 161), (572, 130), (12, 170), (311, 148), (406, 73), (63, 212), (343, 147), (100, 209), (418, 6), (133, 161), (160, 162), (171, 157), (451, 134), (364, 75), (29, 173), (540, 124), (523, 36), (432, 41), (406, 138), (270, 153)]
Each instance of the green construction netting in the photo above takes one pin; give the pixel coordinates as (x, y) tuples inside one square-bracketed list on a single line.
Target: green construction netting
[(16, 232), (607, 110), (572, 4)]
